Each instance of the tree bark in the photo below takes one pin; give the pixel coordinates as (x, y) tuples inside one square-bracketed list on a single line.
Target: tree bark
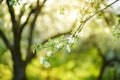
[(19, 66), (19, 72)]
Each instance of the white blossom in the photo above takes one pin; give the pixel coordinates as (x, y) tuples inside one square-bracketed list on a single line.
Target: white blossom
[(68, 48), (42, 60), (70, 39), (47, 64), (49, 53), (59, 45)]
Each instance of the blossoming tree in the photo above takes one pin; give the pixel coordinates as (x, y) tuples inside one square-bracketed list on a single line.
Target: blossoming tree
[(28, 13)]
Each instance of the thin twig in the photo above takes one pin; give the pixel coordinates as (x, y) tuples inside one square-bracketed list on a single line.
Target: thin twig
[(84, 22)]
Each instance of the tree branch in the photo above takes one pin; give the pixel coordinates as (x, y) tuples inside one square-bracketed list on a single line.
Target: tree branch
[(84, 22), (5, 40), (22, 11), (32, 11), (12, 14), (1, 1), (56, 35), (38, 9), (24, 24)]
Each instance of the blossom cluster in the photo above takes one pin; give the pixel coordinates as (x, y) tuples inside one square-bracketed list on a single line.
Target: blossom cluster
[(53, 46), (44, 61)]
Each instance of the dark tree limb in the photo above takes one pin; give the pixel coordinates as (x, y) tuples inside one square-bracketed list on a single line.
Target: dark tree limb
[(16, 52), (24, 24), (69, 32), (38, 9), (12, 14), (30, 13), (105, 62), (57, 35), (22, 11), (1, 1), (29, 53), (4, 38)]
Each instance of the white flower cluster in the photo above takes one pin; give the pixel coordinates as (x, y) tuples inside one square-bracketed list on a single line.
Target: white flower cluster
[(49, 53), (43, 61), (68, 48), (70, 40), (47, 64), (59, 45)]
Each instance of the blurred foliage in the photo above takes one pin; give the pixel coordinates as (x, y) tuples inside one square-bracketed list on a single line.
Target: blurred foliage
[(76, 66), (5, 66), (2, 48)]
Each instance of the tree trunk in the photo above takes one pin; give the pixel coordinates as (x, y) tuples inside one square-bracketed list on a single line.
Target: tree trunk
[(19, 72), (19, 66)]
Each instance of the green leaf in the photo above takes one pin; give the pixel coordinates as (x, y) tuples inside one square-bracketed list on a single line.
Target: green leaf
[(119, 21), (38, 47)]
